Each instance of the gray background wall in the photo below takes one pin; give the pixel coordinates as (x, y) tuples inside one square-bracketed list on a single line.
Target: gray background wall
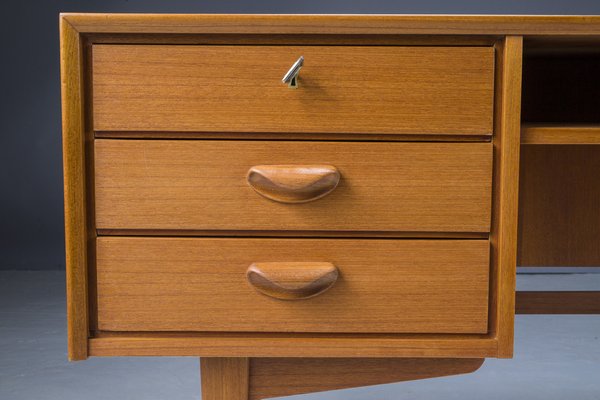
[(31, 205)]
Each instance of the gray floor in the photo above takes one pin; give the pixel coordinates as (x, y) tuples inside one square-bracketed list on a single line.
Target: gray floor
[(557, 357)]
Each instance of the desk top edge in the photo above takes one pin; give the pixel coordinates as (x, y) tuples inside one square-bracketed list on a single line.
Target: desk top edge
[(374, 24)]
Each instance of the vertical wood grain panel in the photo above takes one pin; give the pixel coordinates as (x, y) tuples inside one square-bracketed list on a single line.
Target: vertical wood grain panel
[(559, 215), (75, 190), (506, 187), (224, 378)]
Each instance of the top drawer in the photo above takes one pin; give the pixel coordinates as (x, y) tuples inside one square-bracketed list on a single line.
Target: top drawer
[(346, 89)]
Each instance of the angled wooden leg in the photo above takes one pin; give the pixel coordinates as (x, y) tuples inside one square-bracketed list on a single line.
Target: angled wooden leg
[(263, 378), (276, 377), (224, 378)]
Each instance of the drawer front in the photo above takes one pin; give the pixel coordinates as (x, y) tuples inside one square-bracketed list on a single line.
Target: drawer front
[(343, 89), (202, 185), (387, 286)]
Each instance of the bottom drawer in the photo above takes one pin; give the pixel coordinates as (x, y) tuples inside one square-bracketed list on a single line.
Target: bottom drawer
[(383, 285)]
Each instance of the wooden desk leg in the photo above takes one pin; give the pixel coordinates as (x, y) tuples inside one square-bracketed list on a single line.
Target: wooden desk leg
[(225, 378), (263, 378)]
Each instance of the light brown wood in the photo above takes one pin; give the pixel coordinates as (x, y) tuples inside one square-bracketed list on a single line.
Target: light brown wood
[(389, 137), (503, 236), (559, 216), (293, 183), (222, 344), (349, 89), (282, 233), (224, 378), (292, 39), (275, 377), (385, 286), (232, 378), (76, 232), (89, 183), (262, 378), (558, 302), (560, 134), (337, 24), (292, 280), (200, 185)]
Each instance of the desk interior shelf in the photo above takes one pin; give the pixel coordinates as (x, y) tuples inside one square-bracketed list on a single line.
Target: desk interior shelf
[(539, 133)]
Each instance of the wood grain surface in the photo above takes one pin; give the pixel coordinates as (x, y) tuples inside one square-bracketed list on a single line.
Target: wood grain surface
[(559, 215), (345, 89), (503, 236), (276, 377), (337, 24), (560, 134), (224, 378), (223, 344), (74, 170), (201, 185), (292, 39), (558, 302), (187, 284)]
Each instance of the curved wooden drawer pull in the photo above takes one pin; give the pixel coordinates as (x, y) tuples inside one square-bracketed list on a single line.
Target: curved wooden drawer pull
[(293, 183), (292, 280)]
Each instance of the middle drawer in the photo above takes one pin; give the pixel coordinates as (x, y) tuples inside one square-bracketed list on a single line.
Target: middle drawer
[(202, 185)]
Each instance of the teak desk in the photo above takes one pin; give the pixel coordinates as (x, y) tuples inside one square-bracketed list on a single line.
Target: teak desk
[(353, 224)]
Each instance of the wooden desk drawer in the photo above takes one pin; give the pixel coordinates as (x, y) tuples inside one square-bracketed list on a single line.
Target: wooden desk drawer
[(190, 284), (343, 89), (201, 185)]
